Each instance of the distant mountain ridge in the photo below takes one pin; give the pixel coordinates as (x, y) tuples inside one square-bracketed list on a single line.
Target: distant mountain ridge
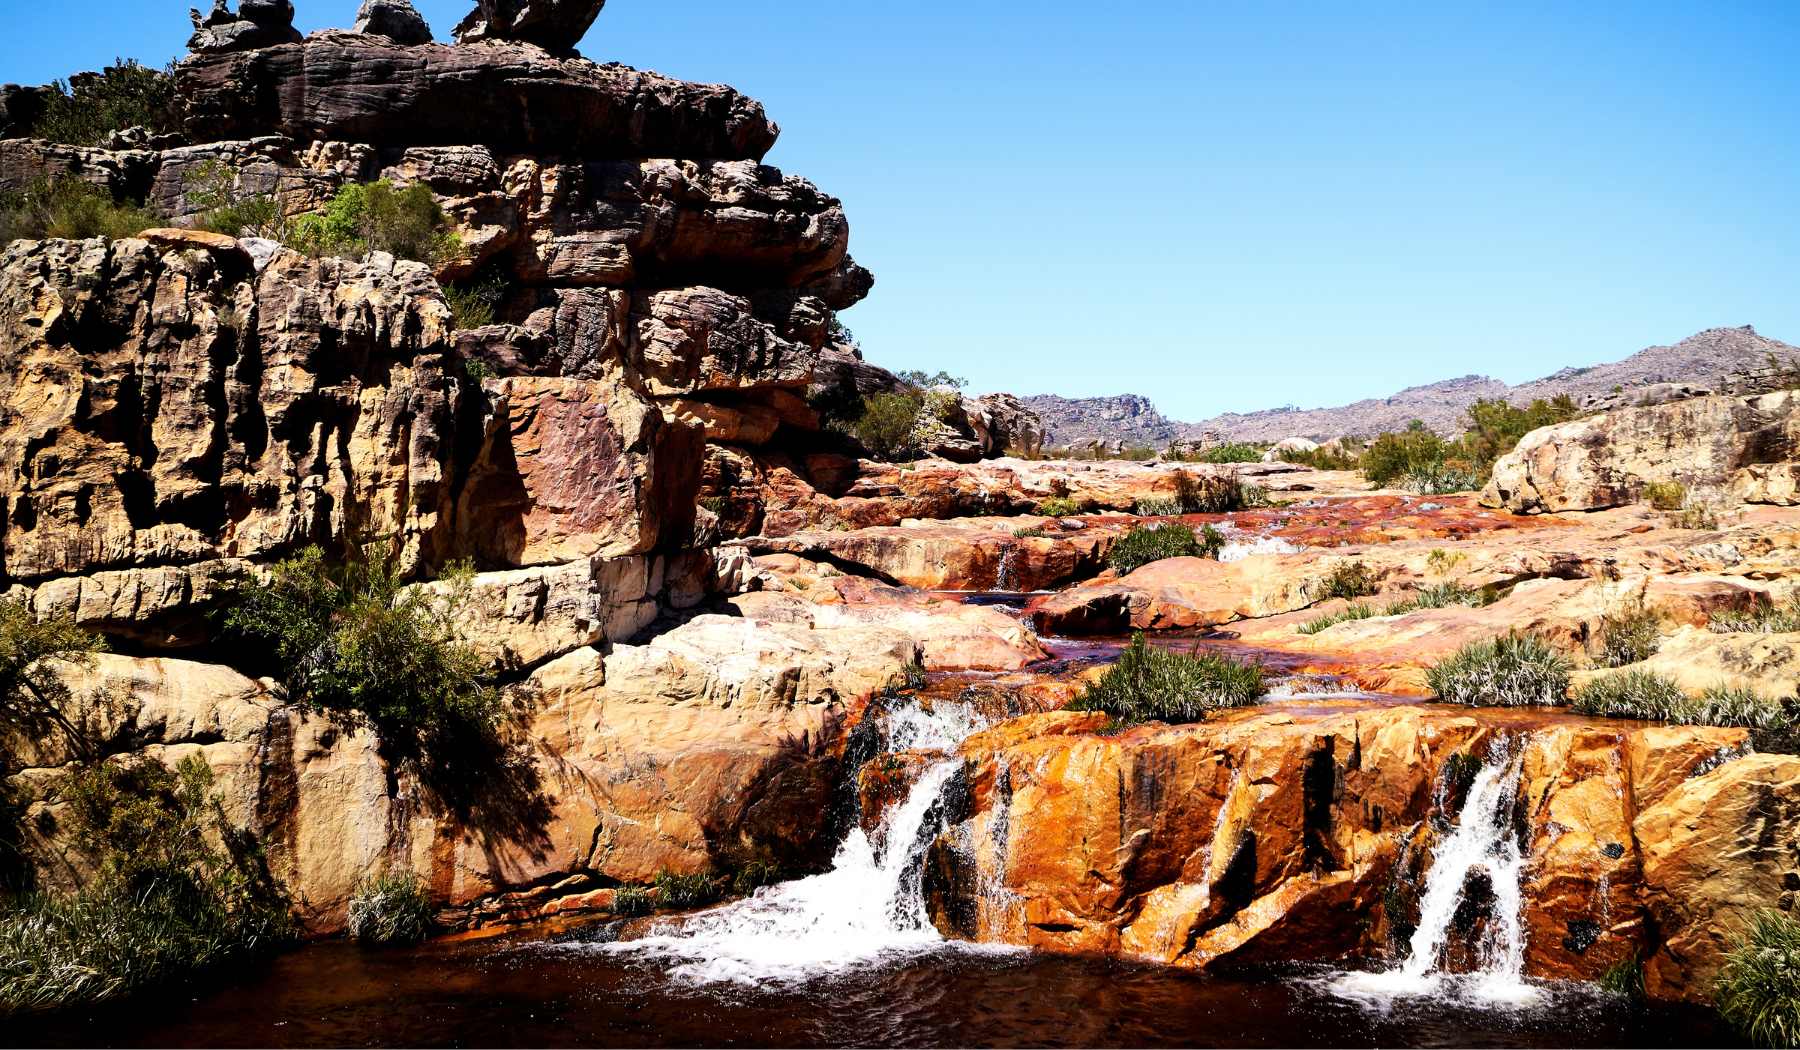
[(1700, 359)]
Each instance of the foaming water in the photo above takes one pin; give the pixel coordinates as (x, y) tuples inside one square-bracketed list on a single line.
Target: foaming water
[(1239, 549), (867, 911), (1482, 845), (1315, 685)]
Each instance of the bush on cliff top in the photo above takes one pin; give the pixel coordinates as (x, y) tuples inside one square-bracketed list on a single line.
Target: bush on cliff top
[(1143, 545), (1508, 671), (353, 637), (1149, 684), (122, 96), (70, 208), (1758, 990), (166, 900)]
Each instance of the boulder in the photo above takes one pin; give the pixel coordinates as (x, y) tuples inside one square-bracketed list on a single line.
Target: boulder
[(394, 19), (555, 25), (1718, 448), (123, 174), (1004, 426), (1716, 849), (511, 97), (258, 24), (845, 286)]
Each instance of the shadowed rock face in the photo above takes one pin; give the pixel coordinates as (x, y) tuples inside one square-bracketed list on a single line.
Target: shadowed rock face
[(395, 19), (557, 25), (510, 97)]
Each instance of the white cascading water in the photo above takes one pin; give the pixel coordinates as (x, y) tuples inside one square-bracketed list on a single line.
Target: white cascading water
[(1237, 548), (868, 909), (1482, 841)]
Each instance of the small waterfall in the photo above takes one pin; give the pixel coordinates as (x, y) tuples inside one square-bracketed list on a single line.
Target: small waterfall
[(1480, 851), (868, 909), (1005, 572)]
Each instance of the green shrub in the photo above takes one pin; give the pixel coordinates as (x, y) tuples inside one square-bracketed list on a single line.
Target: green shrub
[(32, 694), (1763, 618), (1721, 705), (1758, 989), (469, 307), (1058, 507), (693, 890), (1631, 694), (1322, 459), (1695, 516), (1145, 544), (1665, 495), (1157, 507), (164, 904), (1231, 452), (885, 426), (922, 381), (1439, 479), (1029, 532), (212, 187), (1629, 636), (1438, 596), (123, 96), (1495, 428), (392, 908), (1392, 457), (1348, 580), (633, 900), (1153, 684), (378, 217), (354, 637), (1509, 671), (72, 209)]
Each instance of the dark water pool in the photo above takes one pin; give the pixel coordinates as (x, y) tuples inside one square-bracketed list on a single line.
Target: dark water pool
[(522, 990)]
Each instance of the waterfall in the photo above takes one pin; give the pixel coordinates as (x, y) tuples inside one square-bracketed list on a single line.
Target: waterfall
[(1481, 850), (1005, 571), (868, 909)]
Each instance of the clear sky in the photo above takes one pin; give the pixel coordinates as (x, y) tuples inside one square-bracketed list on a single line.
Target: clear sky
[(1231, 206)]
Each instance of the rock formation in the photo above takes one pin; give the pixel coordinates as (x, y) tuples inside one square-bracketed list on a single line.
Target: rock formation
[(257, 24), (555, 25), (394, 19)]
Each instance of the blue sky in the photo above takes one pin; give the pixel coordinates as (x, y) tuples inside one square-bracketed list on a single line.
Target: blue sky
[(1231, 206)]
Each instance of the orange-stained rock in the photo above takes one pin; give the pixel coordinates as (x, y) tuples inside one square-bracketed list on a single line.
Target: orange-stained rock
[(1715, 849)]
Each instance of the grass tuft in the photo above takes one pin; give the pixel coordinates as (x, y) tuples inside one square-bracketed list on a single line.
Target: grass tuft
[(1356, 611), (1348, 580), (1145, 544), (1149, 684), (1758, 990), (1762, 619), (692, 890), (1509, 671), (1059, 507), (391, 909)]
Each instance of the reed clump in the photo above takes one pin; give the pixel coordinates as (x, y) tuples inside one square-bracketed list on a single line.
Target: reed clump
[(1509, 671), (1149, 684)]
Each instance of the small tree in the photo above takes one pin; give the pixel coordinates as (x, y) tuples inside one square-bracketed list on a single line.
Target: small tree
[(32, 693)]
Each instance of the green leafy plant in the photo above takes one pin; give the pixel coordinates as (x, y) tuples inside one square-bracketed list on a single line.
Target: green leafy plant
[(1029, 532), (922, 381), (165, 902), (1149, 684), (1157, 507), (1058, 507), (1625, 977), (1758, 989), (126, 95), (886, 424), (1348, 580), (692, 890), (1665, 495), (1145, 544), (1392, 457), (633, 900), (33, 653), (1508, 671), (378, 217), (754, 874), (1495, 428), (70, 208), (1322, 459), (212, 186), (1231, 452), (392, 908), (352, 636)]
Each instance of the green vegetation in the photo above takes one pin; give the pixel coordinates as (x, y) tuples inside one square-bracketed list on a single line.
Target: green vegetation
[(1059, 507), (885, 426), (1625, 977), (1762, 618), (392, 908), (1436, 596), (633, 900), (1696, 516), (164, 903), (32, 693), (1509, 671), (1348, 580), (1391, 457), (921, 381), (70, 208), (1419, 461), (353, 637), (1231, 452), (212, 187), (1145, 544), (755, 874), (122, 96), (693, 890), (1150, 684), (1665, 495), (1324, 458), (379, 217), (1029, 532), (1158, 507), (1629, 636), (1758, 990), (1648, 695), (1355, 611), (1495, 428)]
